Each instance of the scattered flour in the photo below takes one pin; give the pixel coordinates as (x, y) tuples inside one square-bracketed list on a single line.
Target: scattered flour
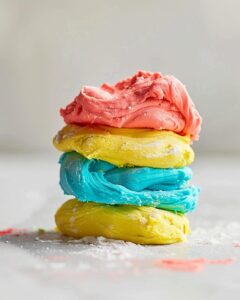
[(221, 233)]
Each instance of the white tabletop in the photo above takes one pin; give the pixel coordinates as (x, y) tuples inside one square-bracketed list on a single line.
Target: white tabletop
[(47, 266)]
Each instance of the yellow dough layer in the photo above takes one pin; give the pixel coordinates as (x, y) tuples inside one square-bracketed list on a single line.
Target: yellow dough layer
[(127, 147), (140, 225)]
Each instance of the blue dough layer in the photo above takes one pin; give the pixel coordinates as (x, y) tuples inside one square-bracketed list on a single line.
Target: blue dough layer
[(101, 182)]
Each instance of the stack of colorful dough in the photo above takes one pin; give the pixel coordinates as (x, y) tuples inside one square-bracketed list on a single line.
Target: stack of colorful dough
[(127, 148)]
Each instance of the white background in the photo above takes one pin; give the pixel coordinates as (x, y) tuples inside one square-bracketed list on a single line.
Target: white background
[(49, 49)]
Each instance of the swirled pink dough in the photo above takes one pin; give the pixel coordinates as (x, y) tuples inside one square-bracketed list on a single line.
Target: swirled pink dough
[(145, 100)]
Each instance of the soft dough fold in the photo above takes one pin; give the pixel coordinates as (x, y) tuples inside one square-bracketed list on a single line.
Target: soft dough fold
[(101, 182), (141, 225), (145, 100), (127, 147)]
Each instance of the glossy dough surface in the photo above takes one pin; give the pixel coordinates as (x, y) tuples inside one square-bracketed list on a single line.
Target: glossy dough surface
[(127, 147), (101, 182), (141, 225)]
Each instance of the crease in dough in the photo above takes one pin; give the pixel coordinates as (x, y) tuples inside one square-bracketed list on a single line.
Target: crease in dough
[(101, 182)]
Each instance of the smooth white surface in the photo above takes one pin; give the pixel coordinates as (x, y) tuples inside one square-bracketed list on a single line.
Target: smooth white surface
[(50, 267)]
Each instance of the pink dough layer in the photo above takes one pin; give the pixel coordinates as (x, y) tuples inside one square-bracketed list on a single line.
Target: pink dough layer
[(145, 100)]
